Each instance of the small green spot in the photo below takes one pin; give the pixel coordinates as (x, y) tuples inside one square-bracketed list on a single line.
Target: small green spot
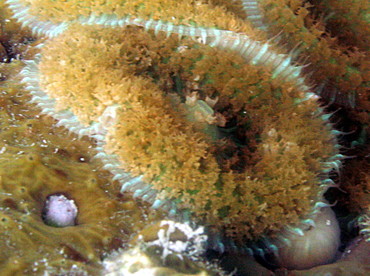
[(352, 70), (333, 61), (178, 84), (165, 60), (140, 7), (208, 205), (163, 168), (219, 185), (192, 192), (237, 192), (224, 211), (192, 23)]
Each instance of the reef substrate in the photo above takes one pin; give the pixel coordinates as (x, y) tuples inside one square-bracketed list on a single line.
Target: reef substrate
[(202, 103)]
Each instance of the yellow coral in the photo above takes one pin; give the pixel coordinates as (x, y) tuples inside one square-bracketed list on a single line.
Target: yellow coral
[(338, 65), (187, 12), (285, 142)]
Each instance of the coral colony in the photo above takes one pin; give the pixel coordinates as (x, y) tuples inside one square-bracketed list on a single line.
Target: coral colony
[(197, 113), (340, 64)]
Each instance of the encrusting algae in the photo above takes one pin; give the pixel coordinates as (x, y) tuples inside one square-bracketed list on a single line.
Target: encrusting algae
[(190, 112)]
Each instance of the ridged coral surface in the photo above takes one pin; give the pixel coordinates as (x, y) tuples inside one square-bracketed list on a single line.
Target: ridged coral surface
[(36, 161)]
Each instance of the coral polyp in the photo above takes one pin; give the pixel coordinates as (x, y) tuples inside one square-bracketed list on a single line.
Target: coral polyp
[(332, 36), (263, 167), (318, 246), (51, 17)]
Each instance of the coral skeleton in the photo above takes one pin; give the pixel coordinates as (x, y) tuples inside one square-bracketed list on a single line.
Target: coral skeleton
[(193, 244), (60, 211)]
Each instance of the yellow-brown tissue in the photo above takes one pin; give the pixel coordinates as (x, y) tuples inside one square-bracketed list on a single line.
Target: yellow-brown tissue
[(37, 161), (270, 180)]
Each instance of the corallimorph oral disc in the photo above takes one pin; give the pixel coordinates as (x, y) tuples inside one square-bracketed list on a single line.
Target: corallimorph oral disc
[(194, 130)]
